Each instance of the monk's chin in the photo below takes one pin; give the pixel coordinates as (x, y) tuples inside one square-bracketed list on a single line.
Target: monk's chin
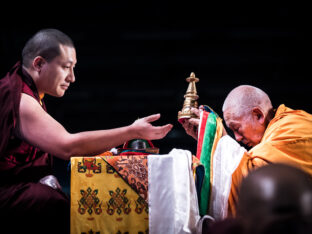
[(58, 94)]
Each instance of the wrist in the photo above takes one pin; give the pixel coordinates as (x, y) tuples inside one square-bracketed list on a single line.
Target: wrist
[(133, 132)]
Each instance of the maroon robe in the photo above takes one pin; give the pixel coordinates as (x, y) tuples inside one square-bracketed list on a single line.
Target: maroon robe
[(24, 202)]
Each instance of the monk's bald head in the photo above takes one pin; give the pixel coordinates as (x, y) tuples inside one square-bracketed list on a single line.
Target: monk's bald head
[(45, 43), (243, 98), (276, 192)]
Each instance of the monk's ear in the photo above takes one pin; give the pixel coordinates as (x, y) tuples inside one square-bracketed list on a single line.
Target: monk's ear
[(258, 115), (38, 62)]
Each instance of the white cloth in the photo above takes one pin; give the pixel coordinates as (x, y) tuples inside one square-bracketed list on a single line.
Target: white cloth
[(173, 204), (50, 180), (226, 158)]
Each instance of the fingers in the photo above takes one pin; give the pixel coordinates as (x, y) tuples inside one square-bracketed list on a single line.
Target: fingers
[(194, 122), (166, 128), (162, 131), (152, 118), (195, 111), (189, 123)]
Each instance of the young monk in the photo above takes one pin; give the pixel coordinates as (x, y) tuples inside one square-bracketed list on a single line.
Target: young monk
[(30, 197)]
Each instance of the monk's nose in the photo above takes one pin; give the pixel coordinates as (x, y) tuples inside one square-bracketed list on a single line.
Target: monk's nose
[(72, 77), (238, 137)]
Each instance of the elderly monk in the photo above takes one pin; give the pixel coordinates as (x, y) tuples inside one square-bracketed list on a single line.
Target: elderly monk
[(281, 135), (31, 200)]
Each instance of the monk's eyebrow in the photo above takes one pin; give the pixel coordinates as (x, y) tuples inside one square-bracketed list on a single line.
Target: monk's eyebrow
[(233, 125), (71, 62)]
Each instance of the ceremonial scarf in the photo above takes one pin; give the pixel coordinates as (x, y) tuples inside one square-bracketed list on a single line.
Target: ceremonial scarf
[(209, 132)]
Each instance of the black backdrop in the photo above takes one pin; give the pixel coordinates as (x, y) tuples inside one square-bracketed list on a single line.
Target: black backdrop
[(133, 60)]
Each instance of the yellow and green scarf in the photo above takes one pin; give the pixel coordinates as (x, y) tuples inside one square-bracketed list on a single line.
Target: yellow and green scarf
[(209, 132)]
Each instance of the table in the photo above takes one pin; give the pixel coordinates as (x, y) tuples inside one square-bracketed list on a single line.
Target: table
[(134, 194)]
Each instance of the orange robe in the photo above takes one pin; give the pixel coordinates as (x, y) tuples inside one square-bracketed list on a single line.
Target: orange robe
[(287, 139)]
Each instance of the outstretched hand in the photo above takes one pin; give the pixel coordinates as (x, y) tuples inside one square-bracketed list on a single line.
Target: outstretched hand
[(145, 130)]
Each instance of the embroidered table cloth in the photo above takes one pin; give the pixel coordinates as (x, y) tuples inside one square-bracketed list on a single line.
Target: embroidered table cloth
[(134, 194)]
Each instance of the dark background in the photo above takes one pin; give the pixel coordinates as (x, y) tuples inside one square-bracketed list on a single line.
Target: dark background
[(133, 60)]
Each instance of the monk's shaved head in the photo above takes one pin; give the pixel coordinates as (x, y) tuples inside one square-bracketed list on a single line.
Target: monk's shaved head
[(243, 98), (45, 43), (275, 196)]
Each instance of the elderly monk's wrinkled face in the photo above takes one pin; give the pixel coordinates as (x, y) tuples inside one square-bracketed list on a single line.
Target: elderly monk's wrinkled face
[(246, 128), (57, 74)]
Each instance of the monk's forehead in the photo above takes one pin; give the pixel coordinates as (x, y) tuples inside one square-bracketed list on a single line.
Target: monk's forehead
[(226, 114), (68, 54), (229, 116)]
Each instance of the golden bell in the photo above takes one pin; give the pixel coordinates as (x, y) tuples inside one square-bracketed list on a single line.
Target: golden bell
[(190, 99)]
